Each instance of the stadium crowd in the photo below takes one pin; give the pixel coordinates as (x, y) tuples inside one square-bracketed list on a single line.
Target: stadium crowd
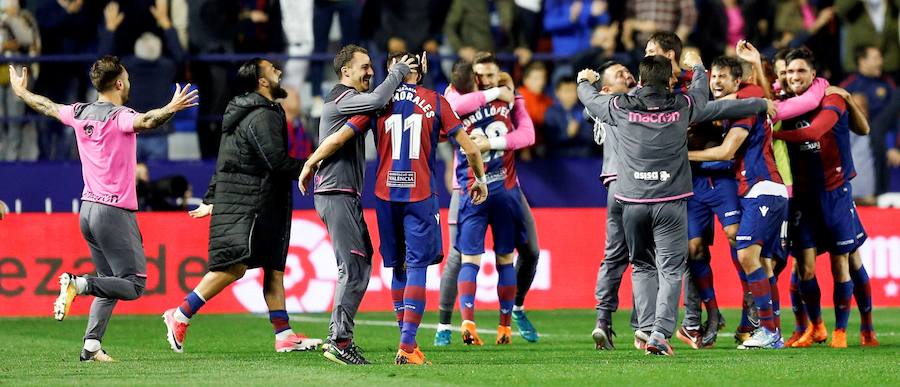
[(545, 40)]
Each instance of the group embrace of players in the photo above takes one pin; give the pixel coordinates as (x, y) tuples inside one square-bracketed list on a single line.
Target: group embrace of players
[(772, 162), (408, 121), (778, 179)]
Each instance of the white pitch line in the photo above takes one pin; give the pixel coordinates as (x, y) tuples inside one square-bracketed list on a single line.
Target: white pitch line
[(382, 323)]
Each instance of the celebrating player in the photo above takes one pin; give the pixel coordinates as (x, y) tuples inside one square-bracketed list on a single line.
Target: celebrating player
[(338, 184), (407, 134), (823, 213), (105, 131), (465, 100), (251, 194), (502, 209), (763, 200)]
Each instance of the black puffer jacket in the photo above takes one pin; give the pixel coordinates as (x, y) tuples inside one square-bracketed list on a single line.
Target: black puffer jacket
[(251, 189)]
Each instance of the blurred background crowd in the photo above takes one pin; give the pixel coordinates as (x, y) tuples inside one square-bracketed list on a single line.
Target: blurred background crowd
[(542, 43)]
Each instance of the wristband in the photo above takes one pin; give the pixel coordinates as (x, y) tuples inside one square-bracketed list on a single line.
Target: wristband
[(481, 180)]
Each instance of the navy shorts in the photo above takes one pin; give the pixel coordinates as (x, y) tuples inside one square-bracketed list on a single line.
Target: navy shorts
[(712, 194), (764, 223), (410, 233), (502, 211), (827, 221)]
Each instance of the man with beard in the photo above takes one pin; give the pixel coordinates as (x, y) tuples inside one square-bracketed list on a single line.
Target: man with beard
[(105, 131), (251, 193)]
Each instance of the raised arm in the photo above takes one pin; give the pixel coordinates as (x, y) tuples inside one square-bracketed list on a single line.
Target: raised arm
[(39, 103), (183, 98), (594, 102), (523, 136), (467, 103), (803, 103), (356, 103), (698, 92)]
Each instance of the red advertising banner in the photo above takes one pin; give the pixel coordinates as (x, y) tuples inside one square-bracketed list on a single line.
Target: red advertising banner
[(36, 248)]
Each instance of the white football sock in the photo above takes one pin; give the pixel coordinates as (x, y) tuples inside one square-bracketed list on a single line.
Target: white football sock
[(283, 335), (91, 345), (180, 317), (81, 287), (517, 308), (444, 327)]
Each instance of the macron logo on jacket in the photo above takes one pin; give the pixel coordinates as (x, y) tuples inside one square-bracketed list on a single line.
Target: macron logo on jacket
[(662, 117)]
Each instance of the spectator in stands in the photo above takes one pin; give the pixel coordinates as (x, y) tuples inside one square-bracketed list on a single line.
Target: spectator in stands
[(63, 25), (644, 17), (534, 84), (4, 209), (396, 18), (297, 21), (212, 29), (870, 22), (711, 35), (300, 142), (571, 22), (259, 27), (482, 25), (152, 69), (567, 133), (737, 25), (528, 23), (19, 35), (603, 48), (323, 13), (872, 91)]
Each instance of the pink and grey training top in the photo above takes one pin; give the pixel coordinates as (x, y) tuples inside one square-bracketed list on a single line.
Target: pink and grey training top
[(106, 144)]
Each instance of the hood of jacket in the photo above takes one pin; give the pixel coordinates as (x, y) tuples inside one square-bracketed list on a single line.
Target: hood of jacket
[(241, 106)]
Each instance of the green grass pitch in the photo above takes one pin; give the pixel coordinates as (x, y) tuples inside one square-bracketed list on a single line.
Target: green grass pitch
[(238, 350)]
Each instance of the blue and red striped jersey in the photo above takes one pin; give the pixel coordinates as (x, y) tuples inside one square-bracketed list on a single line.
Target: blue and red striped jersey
[(494, 119), (407, 133), (819, 143), (755, 159)]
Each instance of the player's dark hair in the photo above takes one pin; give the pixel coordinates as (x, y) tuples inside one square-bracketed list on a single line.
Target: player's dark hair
[(801, 53), (861, 52), (248, 75), (667, 41), (656, 71), (105, 71), (345, 55), (730, 62), (602, 69), (781, 54), (399, 54), (462, 78), (564, 80), (533, 66), (483, 57)]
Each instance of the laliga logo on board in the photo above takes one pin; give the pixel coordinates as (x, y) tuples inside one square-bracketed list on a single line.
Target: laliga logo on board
[(310, 274)]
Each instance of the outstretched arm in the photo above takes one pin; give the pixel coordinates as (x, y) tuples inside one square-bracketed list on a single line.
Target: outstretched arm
[(479, 190), (859, 124), (39, 103), (732, 109), (182, 99)]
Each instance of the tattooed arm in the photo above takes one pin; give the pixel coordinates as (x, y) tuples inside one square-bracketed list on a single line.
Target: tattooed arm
[(182, 99), (37, 102)]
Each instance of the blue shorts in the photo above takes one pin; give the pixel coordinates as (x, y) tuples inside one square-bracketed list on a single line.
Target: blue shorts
[(764, 223), (826, 221), (502, 211), (410, 233), (712, 194)]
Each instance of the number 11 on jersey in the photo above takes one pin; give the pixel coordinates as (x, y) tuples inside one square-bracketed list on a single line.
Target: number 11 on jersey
[(396, 126)]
